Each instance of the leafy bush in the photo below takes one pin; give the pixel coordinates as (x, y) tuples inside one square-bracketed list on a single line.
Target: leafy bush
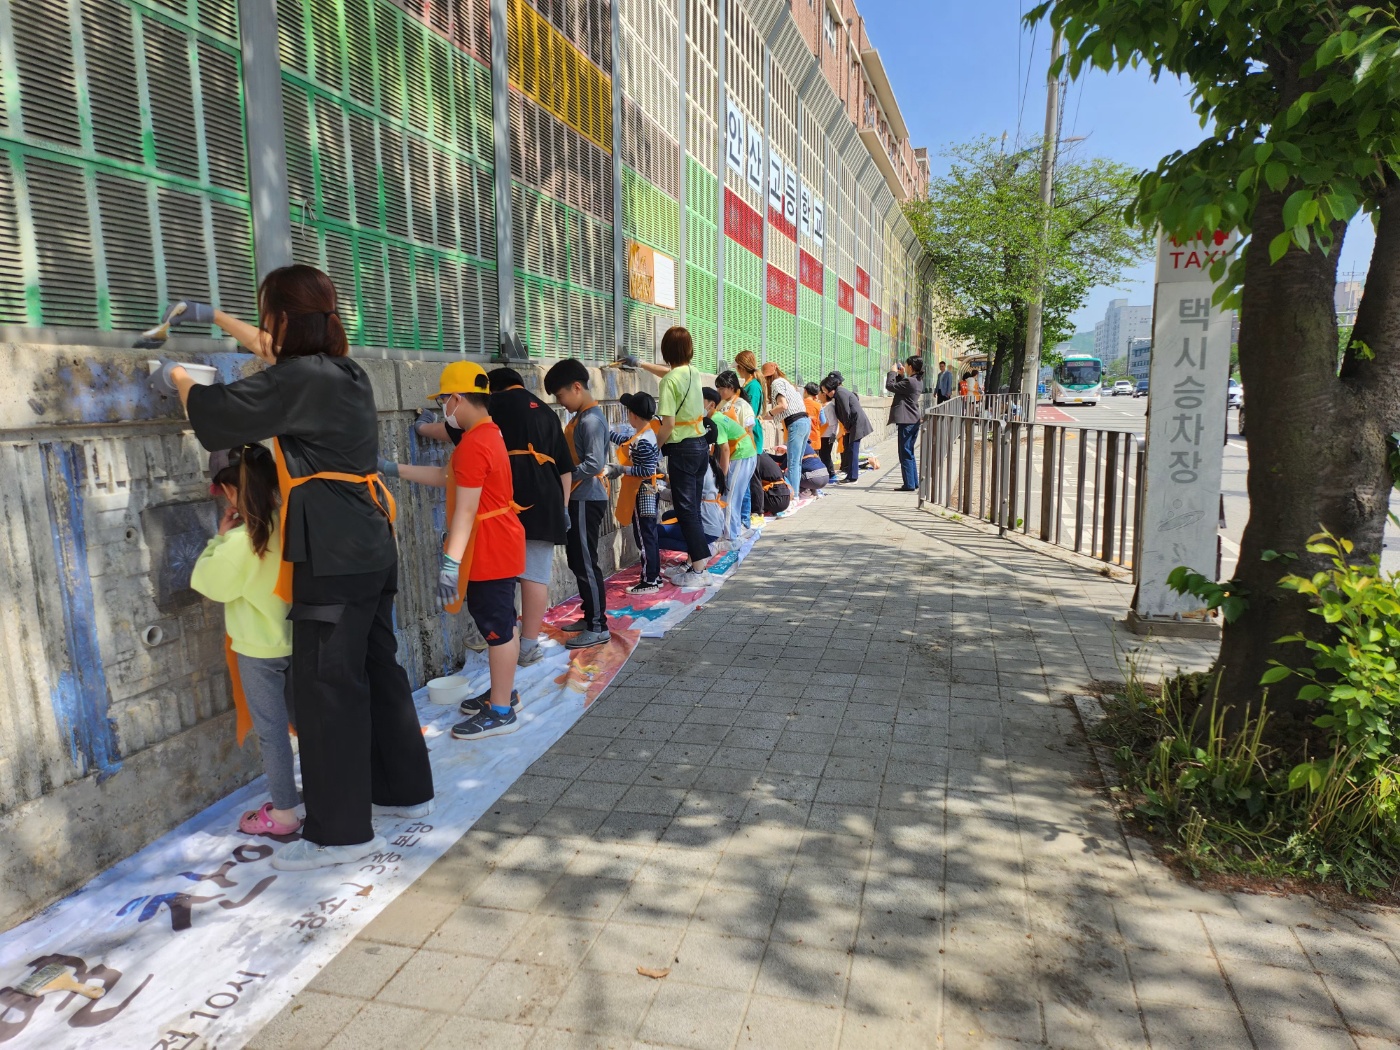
[(1356, 673), (1223, 801)]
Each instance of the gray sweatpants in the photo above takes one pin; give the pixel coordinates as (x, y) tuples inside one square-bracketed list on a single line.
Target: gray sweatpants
[(266, 688)]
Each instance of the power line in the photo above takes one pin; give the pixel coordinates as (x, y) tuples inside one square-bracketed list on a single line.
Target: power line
[(1030, 62)]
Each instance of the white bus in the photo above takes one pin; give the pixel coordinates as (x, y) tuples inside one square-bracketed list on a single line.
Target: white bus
[(1078, 380)]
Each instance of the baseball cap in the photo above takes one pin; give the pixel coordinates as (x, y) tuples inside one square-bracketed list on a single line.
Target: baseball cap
[(461, 377), (641, 404)]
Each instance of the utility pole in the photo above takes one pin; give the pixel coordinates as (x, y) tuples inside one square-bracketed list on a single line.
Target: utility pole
[(1035, 321)]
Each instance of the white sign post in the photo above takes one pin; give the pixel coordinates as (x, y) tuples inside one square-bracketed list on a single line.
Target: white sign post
[(1188, 386)]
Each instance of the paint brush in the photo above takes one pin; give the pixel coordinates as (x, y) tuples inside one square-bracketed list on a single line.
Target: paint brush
[(57, 978), (153, 338)]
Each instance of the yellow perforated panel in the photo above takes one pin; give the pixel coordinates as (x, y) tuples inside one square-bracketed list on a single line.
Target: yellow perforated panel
[(550, 69)]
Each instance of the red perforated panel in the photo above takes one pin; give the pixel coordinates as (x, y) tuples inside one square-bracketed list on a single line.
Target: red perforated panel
[(811, 272), (876, 319), (862, 282), (777, 222), (742, 224), (845, 297), (862, 332), (782, 290)]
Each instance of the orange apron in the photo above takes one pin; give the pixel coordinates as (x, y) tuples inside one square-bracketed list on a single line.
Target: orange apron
[(733, 413), (285, 483), (814, 413), (530, 450), (464, 571), (627, 493), (569, 437), (243, 720)]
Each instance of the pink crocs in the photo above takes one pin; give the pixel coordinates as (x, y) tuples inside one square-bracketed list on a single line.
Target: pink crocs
[(260, 822)]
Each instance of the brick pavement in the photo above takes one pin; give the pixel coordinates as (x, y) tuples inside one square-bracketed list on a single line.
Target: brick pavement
[(846, 805)]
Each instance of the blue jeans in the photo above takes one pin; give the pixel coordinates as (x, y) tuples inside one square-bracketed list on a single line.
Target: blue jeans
[(909, 453), (740, 471), (799, 430)]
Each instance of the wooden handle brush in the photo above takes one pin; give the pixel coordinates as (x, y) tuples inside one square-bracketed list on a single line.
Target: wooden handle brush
[(57, 978)]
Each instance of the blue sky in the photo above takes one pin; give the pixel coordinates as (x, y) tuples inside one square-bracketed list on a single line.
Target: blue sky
[(954, 65)]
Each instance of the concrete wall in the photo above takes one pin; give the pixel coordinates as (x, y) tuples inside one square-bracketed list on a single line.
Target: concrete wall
[(116, 720), (115, 712)]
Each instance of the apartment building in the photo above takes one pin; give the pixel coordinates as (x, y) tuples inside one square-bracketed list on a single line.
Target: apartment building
[(837, 35)]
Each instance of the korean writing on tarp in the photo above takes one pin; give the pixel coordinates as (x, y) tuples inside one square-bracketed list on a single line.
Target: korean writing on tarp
[(1187, 428)]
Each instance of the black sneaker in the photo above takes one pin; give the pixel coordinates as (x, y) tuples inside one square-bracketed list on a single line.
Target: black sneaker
[(488, 723), (643, 587), (575, 627), (475, 705)]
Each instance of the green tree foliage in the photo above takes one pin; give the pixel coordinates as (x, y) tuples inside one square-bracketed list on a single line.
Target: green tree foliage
[(981, 225), (1299, 102)]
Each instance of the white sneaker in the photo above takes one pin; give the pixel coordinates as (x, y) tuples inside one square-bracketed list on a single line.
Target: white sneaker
[(675, 572), (696, 581), (421, 810), (305, 855)]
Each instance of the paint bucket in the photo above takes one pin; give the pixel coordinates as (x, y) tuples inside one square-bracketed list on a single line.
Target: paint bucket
[(203, 375), (449, 691)]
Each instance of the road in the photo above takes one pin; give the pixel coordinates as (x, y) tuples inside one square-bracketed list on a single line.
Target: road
[(1130, 413)]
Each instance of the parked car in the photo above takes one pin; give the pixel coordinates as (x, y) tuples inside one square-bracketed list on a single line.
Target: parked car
[(1123, 386), (1141, 390), (1236, 395)]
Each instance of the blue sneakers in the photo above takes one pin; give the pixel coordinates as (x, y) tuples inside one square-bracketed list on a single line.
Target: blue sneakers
[(488, 723), (475, 705)]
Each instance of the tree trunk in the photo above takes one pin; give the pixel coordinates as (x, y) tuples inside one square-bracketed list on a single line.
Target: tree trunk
[(993, 377), (1018, 345), (1318, 454)]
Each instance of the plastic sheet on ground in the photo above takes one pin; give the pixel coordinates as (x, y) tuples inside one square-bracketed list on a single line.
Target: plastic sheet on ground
[(197, 941)]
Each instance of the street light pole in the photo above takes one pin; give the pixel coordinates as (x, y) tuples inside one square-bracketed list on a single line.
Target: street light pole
[(1035, 321)]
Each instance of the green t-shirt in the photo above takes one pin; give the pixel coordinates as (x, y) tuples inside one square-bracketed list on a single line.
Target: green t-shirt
[(753, 394), (731, 431), (682, 396)]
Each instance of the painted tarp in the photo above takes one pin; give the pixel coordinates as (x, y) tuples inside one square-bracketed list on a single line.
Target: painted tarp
[(197, 942)]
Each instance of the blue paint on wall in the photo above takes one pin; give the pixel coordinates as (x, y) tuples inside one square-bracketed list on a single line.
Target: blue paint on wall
[(80, 698)]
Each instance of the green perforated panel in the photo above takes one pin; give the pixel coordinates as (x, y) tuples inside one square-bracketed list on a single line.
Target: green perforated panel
[(123, 179)]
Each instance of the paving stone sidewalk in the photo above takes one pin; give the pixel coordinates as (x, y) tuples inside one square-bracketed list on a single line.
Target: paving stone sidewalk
[(846, 805)]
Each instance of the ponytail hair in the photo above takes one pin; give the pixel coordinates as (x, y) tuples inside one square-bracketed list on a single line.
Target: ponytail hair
[(254, 476), (916, 367)]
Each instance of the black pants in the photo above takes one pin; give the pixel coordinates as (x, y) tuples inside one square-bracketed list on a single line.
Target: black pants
[(359, 733), (850, 460), (688, 460), (644, 531), (585, 526), (828, 446)]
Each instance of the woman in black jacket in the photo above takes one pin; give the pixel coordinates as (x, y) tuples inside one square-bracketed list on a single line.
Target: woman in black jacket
[(855, 424), (906, 383), (362, 748)]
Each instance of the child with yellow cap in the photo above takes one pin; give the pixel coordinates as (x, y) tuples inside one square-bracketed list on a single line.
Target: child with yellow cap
[(485, 547)]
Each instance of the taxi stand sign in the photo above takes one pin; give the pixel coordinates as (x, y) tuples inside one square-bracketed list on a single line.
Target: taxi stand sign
[(1188, 377)]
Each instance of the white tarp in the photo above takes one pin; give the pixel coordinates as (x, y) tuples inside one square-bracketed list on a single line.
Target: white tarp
[(199, 942)]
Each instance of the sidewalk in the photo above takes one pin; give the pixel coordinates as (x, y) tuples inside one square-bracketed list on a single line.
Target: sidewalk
[(846, 806)]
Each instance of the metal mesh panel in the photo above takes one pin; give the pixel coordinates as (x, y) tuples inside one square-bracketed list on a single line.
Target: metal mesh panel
[(389, 156), (127, 123)]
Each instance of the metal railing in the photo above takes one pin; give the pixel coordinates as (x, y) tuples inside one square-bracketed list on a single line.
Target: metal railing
[(1076, 487)]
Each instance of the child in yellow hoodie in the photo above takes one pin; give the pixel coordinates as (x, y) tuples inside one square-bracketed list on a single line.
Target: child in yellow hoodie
[(239, 568)]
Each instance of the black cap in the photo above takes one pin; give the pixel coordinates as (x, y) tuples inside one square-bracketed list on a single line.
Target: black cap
[(641, 404)]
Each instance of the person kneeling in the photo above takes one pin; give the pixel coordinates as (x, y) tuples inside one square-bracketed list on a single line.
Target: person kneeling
[(770, 487)]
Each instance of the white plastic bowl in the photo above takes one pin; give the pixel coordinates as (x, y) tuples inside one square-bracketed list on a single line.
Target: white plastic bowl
[(449, 691), (204, 375)]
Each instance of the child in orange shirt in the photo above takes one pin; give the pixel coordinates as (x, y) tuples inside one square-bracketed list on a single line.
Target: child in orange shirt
[(485, 548)]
